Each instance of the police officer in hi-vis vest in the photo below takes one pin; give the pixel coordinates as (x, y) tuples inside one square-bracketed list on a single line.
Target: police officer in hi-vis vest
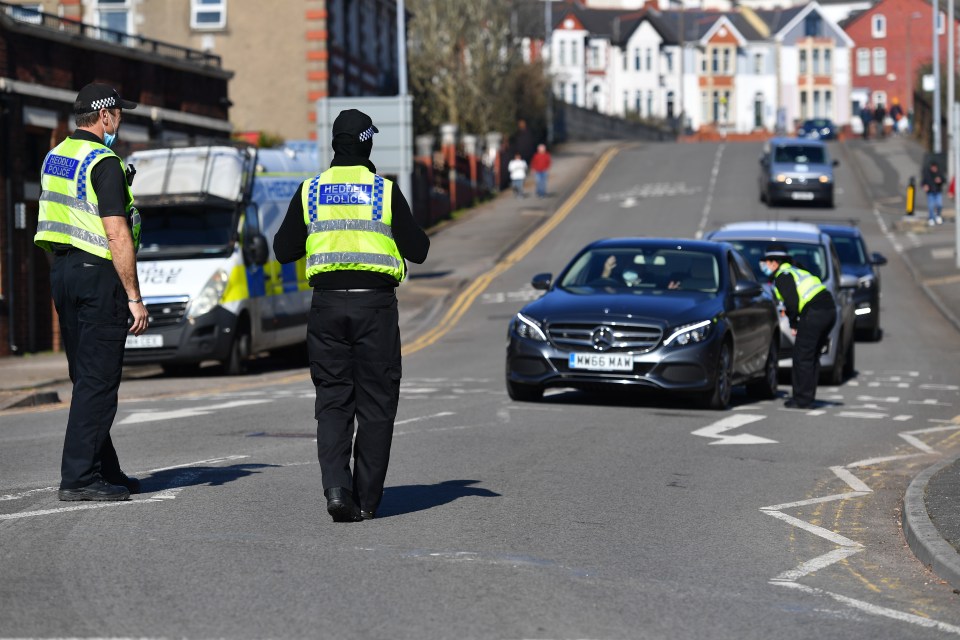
[(356, 230), (811, 310), (88, 221)]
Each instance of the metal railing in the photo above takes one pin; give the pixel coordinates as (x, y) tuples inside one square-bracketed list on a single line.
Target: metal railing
[(27, 15)]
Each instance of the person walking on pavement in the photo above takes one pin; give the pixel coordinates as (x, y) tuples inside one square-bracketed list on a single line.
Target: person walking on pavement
[(540, 165), (811, 311), (866, 115), (88, 221), (356, 230), (518, 174), (879, 116), (933, 186)]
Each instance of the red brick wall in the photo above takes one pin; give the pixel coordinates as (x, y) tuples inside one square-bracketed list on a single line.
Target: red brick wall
[(896, 81)]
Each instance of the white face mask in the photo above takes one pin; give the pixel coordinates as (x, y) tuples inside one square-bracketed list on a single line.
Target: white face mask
[(765, 268), (110, 138)]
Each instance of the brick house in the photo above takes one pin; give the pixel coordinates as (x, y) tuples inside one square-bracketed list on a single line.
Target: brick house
[(44, 60), (892, 40)]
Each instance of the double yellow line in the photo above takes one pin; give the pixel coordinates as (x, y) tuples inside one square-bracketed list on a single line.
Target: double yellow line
[(466, 299)]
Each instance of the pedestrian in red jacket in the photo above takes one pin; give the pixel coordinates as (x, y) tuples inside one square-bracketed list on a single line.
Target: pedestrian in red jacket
[(540, 165)]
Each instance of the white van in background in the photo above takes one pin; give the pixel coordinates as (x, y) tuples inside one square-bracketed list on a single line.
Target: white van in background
[(208, 276)]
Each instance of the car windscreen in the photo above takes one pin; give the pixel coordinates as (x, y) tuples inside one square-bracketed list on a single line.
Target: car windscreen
[(799, 154), (808, 256), (638, 270), (188, 230), (849, 250)]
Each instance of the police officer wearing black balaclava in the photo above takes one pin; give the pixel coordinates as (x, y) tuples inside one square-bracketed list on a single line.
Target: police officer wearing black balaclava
[(356, 230)]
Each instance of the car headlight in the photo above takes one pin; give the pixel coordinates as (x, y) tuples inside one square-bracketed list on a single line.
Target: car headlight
[(209, 296), (824, 179), (865, 282), (689, 334), (528, 328), (781, 178)]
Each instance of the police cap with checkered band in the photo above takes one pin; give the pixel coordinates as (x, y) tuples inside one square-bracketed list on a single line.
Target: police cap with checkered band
[(355, 125), (96, 96)]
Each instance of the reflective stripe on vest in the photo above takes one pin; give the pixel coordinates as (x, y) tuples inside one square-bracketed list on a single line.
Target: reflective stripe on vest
[(69, 211), (348, 214), (808, 285)]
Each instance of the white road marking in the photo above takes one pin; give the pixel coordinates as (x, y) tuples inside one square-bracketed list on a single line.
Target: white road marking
[(820, 500), (153, 416), (815, 564), (873, 609), (940, 387), (79, 507), (901, 418), (931, 402), (717, 429), (893, 399), (434, 430), (826, 534), (815, 412), (442, 414), (24, 494), (861, 414), (713, 183), (852, 481)]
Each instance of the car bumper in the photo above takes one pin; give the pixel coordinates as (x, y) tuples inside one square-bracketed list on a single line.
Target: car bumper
[(208, 337), (687, 368), (806, 192)]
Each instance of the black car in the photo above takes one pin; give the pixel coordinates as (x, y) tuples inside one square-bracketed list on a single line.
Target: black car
[(855, 260), (677, 315), (818, 128)]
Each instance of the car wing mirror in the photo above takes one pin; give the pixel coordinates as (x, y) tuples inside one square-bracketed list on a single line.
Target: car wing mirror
[(836, 163), (542, 281), (878, 259), (256, 251), (848, 281), (747, 288)]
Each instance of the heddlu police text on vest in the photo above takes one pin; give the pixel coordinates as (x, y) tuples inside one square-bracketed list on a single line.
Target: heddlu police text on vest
[(346, 193)]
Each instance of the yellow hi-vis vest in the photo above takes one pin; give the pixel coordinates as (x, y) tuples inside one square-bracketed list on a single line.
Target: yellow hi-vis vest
[(808, 285), (68, 203), (348, 214)]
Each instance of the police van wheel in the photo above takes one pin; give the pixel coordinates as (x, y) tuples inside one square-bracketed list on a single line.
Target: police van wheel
[(236, 363)]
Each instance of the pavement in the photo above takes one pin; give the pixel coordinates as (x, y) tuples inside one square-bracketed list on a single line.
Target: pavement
[(475, 240)]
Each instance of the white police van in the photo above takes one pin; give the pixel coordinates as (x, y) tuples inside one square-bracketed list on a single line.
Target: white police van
[(208, 276)]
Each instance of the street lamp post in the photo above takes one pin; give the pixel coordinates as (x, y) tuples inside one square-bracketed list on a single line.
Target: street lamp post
[(935, 131)]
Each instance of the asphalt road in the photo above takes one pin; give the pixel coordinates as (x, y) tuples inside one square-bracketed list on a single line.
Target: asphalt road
[(581, 516)]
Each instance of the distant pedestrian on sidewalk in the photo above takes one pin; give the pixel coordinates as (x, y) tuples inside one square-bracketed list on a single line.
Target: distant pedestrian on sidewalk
[(518, 174), (880, 116), (540, 165), (933, 185), (88, 221), (866, 116)]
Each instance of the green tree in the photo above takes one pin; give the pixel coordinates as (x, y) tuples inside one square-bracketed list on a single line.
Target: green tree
[(466, 68)]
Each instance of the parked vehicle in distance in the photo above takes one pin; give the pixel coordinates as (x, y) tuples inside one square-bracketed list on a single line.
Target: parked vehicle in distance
[(818, 129), (856, 261), (813, 250), (677, 315), (211, 285), (796, 170)]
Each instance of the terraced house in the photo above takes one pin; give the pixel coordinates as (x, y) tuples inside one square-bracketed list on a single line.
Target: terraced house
[(736, 70)]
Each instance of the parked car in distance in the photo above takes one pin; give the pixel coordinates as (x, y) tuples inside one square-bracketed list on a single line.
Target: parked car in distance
[(677, 315), (818, 129), (856, 261), (813, 250), (796, 170)]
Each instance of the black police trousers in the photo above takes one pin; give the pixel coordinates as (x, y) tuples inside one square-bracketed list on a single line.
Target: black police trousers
[(813, 329), (353, 341), (92, 306)]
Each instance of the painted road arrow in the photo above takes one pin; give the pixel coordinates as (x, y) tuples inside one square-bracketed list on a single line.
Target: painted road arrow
[(717, 429), (153, 416)]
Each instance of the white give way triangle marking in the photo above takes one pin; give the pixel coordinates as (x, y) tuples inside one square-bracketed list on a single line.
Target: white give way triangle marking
[(153, 416), (717, 429)]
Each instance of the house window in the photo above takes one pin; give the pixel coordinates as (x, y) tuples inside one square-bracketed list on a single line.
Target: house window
[(626, 60), (879, 61), (828, 104), (804, 106), (727, 67), (637, 100), (863, 62), (573, 93), (649, 103), (626, 101), (705, 106), (878, 26), (27, 12), (574, 53), (208, 14), (649, 59), (879, 98), (563, 53), (941, 21), (715, 61), (758, 63), (803, 61), (813, 25), (636, 59), (113, 15), (816, 105), (595, 56), (827, 62), (816, 61), (668, 60)]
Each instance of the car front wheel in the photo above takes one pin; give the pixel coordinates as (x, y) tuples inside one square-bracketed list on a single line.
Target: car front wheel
[(719, 397)]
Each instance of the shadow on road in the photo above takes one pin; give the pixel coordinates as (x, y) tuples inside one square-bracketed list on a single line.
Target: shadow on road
[(419, 497), (194, 476)]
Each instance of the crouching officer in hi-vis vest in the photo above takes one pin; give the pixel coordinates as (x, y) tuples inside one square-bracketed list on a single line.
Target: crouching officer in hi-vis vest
[(88, 221), (811, 310), (356, 230)]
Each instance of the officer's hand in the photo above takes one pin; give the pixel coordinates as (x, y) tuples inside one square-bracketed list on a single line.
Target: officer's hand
[(139, 313), (794, 332)]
